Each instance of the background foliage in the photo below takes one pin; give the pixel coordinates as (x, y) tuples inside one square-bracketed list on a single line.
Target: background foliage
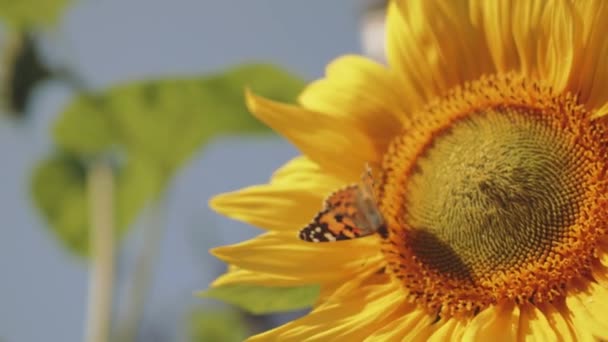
[(148, 129), (31, 13)]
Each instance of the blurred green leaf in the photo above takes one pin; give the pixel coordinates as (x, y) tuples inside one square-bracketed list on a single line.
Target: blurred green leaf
[(138, 182), (220, 326), (167, 120), (58, 189), (261, 300), (152, 128), (31, 13), (23, 72), (84, 129)]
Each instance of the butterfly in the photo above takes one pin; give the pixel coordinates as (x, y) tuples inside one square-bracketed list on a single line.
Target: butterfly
[(348, 213)]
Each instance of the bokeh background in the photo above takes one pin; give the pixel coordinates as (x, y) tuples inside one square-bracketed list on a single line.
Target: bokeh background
[(152, 91)]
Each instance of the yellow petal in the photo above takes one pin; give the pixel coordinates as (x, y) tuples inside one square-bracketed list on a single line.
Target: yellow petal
[(329, 291), (363, 91), (562, 42), (350, 319), (343, 287), (600, 274), (494, 19), (283, 254), (600, 111), (303, 171), (412, 325), (235, 276), (562, 37), (589, 77), (275, 207), (434, 46), (534, 326), (496, 321), (558, 318), (603, 258), (526, 15), (322, 137), (589, 309), (288, 203), (536, 38), (452, 330)]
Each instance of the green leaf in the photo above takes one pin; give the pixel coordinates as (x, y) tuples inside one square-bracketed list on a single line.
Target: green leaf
[(59, 192), (225, 326), (137, 183), (167, 120), (23, 69), (261, 300), (32, 13), (84, 128), (152, 128), (58, 189)]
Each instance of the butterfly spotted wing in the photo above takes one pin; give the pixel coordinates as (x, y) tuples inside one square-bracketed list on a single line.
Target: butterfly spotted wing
[(348, 213)]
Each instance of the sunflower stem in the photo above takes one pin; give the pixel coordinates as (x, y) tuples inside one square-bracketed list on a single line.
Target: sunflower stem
[(100, 184)]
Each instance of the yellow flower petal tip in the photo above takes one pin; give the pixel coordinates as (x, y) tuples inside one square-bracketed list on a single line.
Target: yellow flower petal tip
[(219, 203), (228, 204), (252, 101), (216, 252), (223, 253), (486, 213)]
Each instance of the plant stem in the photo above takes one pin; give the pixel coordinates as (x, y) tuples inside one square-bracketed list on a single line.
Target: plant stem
[(100, 185), (139, 286)]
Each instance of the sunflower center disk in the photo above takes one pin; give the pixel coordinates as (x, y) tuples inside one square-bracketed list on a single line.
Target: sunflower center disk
[(496, 193), (492, 192)]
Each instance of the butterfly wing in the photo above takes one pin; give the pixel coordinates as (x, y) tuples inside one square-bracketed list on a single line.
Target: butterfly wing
[(338, 219), (348, 213)]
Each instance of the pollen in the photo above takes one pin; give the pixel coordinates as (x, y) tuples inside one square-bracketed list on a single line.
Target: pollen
[(495, 192)]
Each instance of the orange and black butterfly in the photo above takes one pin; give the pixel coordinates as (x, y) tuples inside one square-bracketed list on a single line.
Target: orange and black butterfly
[(348, 213)]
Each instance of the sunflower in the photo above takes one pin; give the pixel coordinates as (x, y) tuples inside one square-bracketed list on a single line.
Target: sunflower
[(488, 139)]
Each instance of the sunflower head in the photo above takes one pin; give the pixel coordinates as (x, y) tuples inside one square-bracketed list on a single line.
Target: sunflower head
[(501, 199), (489, 207)]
